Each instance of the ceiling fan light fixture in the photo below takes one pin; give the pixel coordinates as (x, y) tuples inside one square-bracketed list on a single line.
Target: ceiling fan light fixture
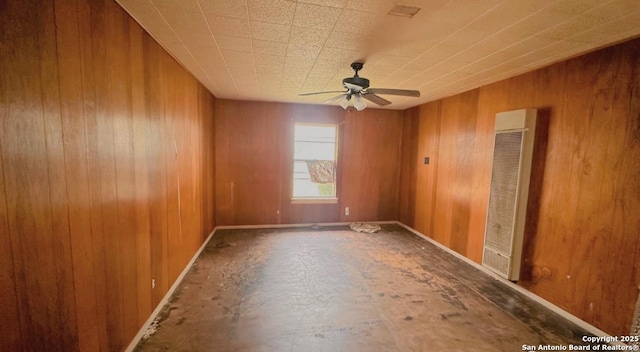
[(345, 102), (359, 104)]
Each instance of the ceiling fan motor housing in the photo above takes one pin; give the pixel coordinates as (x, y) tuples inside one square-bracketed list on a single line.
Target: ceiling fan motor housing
[(357, 80)]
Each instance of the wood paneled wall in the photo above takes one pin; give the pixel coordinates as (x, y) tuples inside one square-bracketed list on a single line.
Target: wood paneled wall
[(254, 153), (371, 164), (106, 153), (584, 221)]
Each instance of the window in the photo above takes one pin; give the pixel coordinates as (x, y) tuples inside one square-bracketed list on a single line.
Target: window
[(314, 162)]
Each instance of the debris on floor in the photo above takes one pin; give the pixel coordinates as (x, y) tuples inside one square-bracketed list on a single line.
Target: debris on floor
[(300, 289), (364, 227)]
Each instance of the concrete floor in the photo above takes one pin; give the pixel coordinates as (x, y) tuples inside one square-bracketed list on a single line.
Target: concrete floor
[(333, 289)]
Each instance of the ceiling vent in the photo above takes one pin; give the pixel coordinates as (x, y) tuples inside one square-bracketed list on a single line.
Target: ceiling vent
[(404, 11)]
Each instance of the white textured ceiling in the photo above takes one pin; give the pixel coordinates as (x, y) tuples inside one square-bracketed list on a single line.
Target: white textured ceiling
[(272, 50)]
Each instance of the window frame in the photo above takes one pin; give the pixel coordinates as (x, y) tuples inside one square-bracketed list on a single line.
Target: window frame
[(315, 199)]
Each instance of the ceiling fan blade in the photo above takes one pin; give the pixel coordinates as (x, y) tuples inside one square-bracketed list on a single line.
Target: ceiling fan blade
[(404, 92), (336, 98), (314, 93), (376, 99)]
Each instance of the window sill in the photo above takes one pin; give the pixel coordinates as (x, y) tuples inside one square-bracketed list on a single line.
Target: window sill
[(314, 200)]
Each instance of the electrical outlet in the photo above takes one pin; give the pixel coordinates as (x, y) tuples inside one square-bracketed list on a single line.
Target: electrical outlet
[(346, 211)]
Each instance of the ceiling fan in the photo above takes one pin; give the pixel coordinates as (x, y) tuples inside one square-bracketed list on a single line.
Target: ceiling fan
[(358, 88)]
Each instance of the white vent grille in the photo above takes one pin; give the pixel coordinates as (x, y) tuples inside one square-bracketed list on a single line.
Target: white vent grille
[(496, 261), (504, 191), (512, 155)]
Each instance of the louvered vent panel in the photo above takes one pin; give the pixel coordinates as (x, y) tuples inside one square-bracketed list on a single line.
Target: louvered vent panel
[(504, 191), (496, 261), (508, 193)]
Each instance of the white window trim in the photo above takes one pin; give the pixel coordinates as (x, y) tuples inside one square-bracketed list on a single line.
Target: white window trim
[(317, 200)]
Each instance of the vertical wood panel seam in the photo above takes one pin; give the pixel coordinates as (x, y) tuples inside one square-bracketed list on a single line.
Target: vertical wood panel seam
[(399, 149), (109, 49), (66, 181), (92, 235), (13, 263), (21, 328), (91, 209), (399, 193), (133, 154), (163, 121), (64, 167), (435, 171)]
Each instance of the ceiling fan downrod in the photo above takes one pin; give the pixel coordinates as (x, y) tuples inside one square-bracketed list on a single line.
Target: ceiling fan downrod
[(357, 80), (357, 66)]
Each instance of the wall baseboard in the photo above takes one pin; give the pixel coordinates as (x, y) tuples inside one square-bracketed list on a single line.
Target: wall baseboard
[(563, 313), (280, 226), (132, 345)]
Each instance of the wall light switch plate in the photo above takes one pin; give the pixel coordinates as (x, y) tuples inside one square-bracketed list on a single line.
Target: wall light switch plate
[(426, 160)]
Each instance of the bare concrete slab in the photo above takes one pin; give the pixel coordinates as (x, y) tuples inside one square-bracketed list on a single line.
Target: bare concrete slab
[(333, 289)]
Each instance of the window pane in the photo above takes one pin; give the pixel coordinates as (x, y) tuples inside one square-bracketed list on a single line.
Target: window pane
[(314, 151), (315, 132), (313, 142)]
